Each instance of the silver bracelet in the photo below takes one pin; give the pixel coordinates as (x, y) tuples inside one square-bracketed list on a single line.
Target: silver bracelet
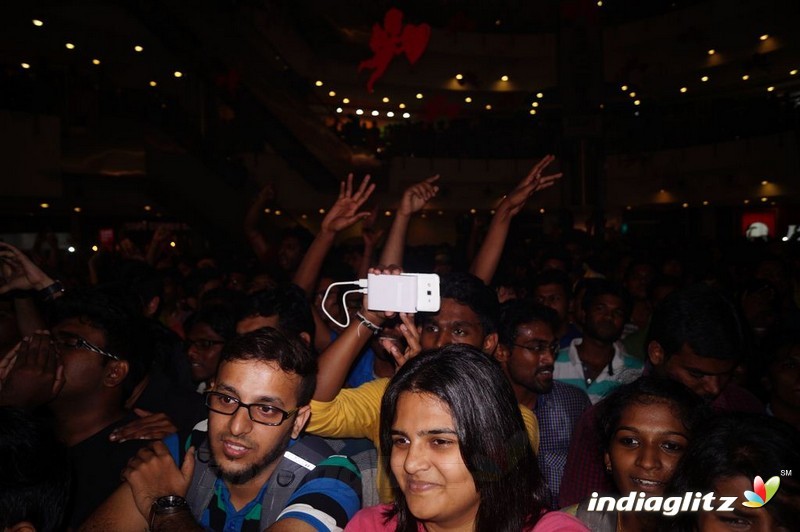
[(376, 329)]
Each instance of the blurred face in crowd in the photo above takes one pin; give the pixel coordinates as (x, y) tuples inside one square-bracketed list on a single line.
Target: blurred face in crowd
[(705, 376), (605, 318), (427, 463), (455, 323), (742, 518), (290, 253), (203, 350), (639, 280), (646, 447), (553, 296), (783, 378), (84, 370), (530, 360)]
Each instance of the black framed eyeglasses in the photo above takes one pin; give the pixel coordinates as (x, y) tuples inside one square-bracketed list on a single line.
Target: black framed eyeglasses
[(203, 344), (259, 413), (540, 346), (72, 341)]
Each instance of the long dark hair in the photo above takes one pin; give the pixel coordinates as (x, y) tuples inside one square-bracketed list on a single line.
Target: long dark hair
[(491, 435)]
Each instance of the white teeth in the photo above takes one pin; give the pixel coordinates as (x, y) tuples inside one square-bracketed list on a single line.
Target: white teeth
[(647, 482), (236, 447)]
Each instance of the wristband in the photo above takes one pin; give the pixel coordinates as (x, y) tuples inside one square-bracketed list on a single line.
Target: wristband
[(375, 329), (49, 293)]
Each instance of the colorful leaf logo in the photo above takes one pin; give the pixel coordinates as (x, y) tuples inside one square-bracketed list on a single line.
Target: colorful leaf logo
[(761, 493)]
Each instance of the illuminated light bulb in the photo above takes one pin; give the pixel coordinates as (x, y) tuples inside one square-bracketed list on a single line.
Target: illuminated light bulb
[(345, 100), (95, 248), (440, 213), (70, 46), (388, 213), (492, 212), (304, 216), (459, 77), (765, 183), (541, 211), (637, 102), (488, 107), (359, 112), (375, 113), (71, 249), (746, 201), (535, 104), (628, 208), (705, 202), (503, 78), (539, 95), (746, 77), (76, 209), (419, 96), (712, 52), (472, 211), (632, 94), (26, 66), (38, 23), (390, 114), (704, 79), (267, 210), (793, 72), (385, 99), (148, 208), (532, 111), (624, 88), (95, 62), (764, 200), (332, 94), (468, 99), (278, 212), (318, 83), (764, 37), (770, 89), (172, 244), (599, 3), (322, 211), (406, 115), (685, 205), (153, 84), (178, 74), (402, 106), (138, 48), (339, 110), (684, 89)]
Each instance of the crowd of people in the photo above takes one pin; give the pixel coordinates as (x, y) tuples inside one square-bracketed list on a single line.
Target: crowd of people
[(160, 391)]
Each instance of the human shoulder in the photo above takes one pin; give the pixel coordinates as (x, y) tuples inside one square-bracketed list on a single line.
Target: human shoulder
[(372, 519), (559, 522)]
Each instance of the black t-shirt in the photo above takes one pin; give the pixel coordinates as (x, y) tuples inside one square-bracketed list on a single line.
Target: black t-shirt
[(96, 466)]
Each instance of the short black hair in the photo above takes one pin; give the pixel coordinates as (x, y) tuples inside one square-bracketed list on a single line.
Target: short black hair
[(702, 318), (218, 317), (469, 290), (603, 287), (554, 277), (288, 302), (271, 345), (518, 311), (34, 472)]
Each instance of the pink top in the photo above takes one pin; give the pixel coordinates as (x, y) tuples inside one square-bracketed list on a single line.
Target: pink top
[(371, 520)]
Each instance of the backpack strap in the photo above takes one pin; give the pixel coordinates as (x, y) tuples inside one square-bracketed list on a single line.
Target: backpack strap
[(201, 489)]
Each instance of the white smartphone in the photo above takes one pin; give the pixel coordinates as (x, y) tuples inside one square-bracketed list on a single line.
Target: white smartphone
[(407, 292)]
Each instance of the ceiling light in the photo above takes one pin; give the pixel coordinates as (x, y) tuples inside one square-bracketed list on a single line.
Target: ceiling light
[(70, 46), (419, 96), (746, 201), (637, 102), (304, 216), (532, 111), (148, 208), (278, 212), (44, 205), (95, 248), (764, 37), (359, 112), (632, 94), (712, 52), (318, 83), (385, 99), (684, 89), (267, 210), (332, 94), (38, 23), (535, 104), (746, 77), (178, 74), (71, 249), (764, 200), (503, 78), (468, 99), (765, 183), (488, 107), (459, 77), (541, 211), (153, 83), (26, 66), (375, 113), (685, 205), (388, 213), (539, 95), (705, 202), (704, 79), (402, 106), (770, 89), (138, 48), (599, 3), (76, 209), (172, 244), (472, 211), (628, 207), (95, 61), (406, 115), (624, 88), (345, 100), (390, 114), (322, 211), (339, 109), (793, 72)]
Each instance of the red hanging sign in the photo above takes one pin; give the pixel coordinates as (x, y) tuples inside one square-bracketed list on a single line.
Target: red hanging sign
[(394, 39)]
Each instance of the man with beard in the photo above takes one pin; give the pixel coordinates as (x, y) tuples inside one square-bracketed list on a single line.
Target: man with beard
[(251, 470), (597, 363), (526, 352)]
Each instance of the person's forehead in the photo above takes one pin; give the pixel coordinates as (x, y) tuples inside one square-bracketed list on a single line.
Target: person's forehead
[(203, 329), (550, 288), (535, 329), (688, 358), (253, 380), (81, 327), (454, 311), (609, 300)]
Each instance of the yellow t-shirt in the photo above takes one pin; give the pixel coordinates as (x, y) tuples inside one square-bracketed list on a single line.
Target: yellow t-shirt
[(355, 413)]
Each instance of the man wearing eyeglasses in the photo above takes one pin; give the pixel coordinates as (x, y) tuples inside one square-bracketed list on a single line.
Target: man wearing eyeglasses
[(526, 351), (251, 469)]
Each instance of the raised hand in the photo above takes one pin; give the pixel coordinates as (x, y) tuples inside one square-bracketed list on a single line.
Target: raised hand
[(37, 374), (18, 272), (150, 426), (411, 334), (533, 182), (152, 473), (417, 196), (344, 213)]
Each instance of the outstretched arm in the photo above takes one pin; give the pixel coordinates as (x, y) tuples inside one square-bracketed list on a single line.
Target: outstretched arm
[(414, 199), (485, 263), (257, 241)]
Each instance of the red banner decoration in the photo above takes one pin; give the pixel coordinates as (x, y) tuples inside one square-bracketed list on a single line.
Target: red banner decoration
[(394, 39)]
